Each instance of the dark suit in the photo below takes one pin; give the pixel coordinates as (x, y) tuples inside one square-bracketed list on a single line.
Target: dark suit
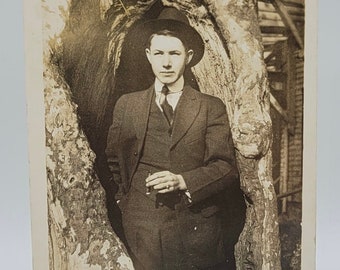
[(201, 151)]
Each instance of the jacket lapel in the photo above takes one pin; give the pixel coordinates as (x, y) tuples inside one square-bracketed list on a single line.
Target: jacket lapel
[(185, 114), (141, 109)]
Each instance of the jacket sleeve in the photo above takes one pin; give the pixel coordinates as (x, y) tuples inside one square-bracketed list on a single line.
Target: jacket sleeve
[(218, 171), (113, 144)]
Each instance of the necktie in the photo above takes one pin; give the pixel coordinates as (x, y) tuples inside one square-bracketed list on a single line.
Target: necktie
[(167, 109)]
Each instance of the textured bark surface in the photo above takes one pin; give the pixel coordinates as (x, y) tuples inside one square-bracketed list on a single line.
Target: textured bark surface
[(258, 246), (252, 136), (91, 50), (80, 235)]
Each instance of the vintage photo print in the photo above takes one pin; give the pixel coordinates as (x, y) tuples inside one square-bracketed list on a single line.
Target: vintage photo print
[(172, 134)]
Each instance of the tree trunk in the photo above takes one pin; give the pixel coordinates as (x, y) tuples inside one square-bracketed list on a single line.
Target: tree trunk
[(87, 54), (80, 235)]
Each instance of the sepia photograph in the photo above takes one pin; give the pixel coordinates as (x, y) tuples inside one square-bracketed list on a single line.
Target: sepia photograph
[(170, 134)]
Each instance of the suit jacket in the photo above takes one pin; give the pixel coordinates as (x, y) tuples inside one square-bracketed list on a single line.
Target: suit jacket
[(201, 151)]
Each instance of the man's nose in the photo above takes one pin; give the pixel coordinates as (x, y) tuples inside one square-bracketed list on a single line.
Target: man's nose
[(166, 61)]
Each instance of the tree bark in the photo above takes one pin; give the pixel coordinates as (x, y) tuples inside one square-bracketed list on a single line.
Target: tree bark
[(258, 246), (80, 236), (232, 68)]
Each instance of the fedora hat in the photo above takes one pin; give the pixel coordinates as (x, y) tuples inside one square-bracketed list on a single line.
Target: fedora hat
[(175, 21)]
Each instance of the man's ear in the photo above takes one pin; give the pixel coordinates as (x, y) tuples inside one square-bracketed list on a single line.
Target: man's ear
[(148, 53), (190, 54)]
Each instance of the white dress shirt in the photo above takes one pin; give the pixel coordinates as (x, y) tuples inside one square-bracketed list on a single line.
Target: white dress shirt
[(172, 97)]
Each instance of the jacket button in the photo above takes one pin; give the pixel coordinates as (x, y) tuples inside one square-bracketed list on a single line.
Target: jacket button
[(135, 153), (195, 228)]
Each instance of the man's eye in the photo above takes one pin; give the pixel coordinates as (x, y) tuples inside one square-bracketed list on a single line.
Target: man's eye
[(157, 53), (175, 53)]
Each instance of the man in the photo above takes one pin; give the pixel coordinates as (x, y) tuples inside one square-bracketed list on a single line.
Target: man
[(171, 154)]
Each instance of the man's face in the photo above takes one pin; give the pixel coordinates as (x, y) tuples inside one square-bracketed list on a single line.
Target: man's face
[(168, 58)]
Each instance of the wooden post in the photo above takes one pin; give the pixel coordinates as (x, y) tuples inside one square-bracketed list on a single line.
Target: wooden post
[(284, 165)]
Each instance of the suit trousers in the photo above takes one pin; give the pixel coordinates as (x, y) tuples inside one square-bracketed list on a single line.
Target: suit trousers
[(167, 236)]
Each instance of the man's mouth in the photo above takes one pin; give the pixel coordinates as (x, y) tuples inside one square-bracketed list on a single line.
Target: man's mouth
[(167, 72)]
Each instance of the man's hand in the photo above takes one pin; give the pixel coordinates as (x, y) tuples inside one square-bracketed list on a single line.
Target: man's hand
[(165, 181)]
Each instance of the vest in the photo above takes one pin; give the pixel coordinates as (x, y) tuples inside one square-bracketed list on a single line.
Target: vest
[(156, 153)]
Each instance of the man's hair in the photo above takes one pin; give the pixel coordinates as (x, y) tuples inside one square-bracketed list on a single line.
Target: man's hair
[(169, 33)]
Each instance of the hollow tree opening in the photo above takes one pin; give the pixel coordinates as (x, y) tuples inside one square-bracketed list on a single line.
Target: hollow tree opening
[(84, 63)]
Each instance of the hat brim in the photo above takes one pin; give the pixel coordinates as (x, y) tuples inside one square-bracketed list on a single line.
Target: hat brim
[(184, 31)]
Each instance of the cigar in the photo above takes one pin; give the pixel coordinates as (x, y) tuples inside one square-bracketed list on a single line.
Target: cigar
[(148, 189)]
